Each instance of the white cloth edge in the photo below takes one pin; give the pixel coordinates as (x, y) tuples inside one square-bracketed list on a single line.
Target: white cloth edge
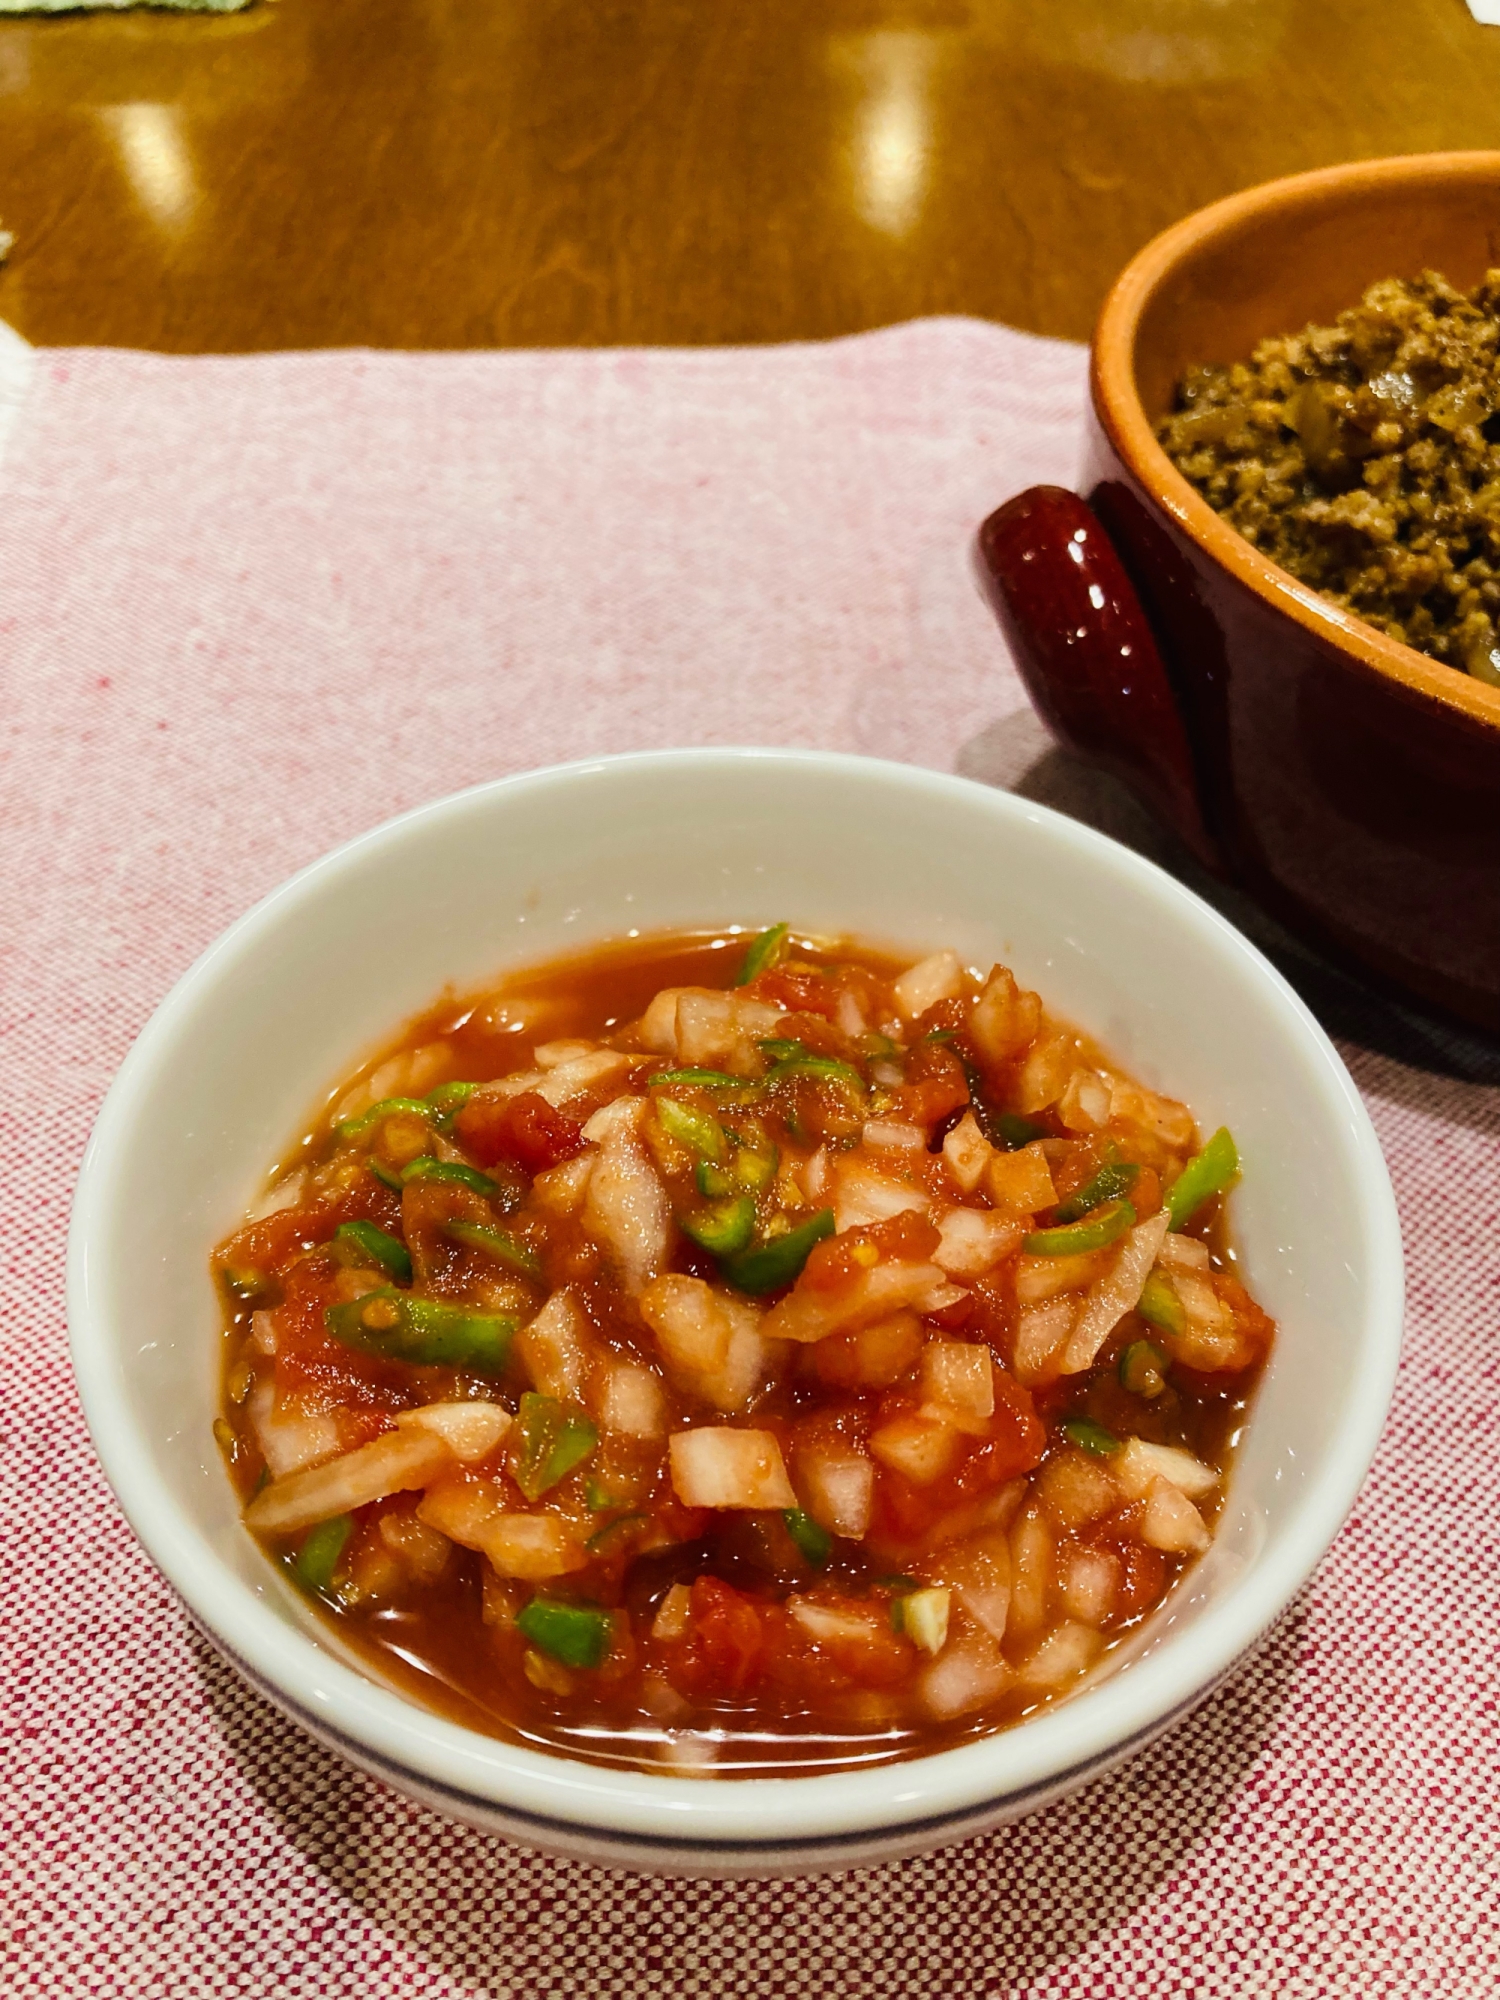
[(17, 366)]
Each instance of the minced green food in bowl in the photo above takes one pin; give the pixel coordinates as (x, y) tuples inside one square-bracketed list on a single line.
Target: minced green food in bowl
[(1364, 458)]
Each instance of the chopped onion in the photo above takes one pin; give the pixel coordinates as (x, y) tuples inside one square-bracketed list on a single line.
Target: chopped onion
[(961, 1374), (1115, 1294), (978, 1572), (289, 1437), (1138, 1465), (969, 1673), (1084, 1103), (583, 1074), (1067, 1651), (1090, 1578), (894, 1135), (864, 1196), (920, 1446), (1171, 1522), (554, 1348), (552, 1055), (838, 1490), (972, 1241), (626, 1209), (471, 1431), (805, 1315), (631, 1402), (724, 1467), (967, 1152), (1005, 1018), (923, 985), (391, 1464), (1041, 1332)]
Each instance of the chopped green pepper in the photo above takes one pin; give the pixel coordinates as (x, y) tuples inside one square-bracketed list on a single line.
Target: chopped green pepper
[(698, 1130), (1143, 1369), (1114, 1178), (1089, 1436), (1075, 1238), (1160, 1304), (244, 1281), (771, 1265), (712, 1182), (497, 1243), (597, 1496), (724, 1227), (388, 1107), (705, 1079), (791, 1063), (450, 1096), (754, 1169), (606, 1540), (386, 1176), (813, 1540), (554, 1437), (1013, 1131), (362, 1244), (576, 1634), (427, 1332), (426, 1168), (764, 951), (1207, 1173), (318, 1557)]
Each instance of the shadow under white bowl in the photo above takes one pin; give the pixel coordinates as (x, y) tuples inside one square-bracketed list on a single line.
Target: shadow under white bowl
[(521, 870)]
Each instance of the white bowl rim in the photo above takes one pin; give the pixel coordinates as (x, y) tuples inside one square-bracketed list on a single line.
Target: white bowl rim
[(560, 1797)]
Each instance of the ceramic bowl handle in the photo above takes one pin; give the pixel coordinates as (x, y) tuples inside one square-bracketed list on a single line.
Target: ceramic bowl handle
[(1087, 652)]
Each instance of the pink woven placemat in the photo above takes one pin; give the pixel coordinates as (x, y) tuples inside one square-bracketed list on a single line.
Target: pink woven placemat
[(249, 607)]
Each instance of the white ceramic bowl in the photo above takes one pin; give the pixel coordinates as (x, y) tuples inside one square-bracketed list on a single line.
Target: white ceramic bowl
[(512, 872)]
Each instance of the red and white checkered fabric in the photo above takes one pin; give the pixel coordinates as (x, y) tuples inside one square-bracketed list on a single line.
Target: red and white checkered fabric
[(249, 607)]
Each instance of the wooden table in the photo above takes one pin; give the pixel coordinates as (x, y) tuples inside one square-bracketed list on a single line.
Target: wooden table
[(453, 173)]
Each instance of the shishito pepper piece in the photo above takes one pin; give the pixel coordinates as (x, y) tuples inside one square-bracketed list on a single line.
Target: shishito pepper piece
[(1089, 1436), (318, 1557), (497, 1243), (388, 1107), (576, 1634), (813, 1541), (1073, 1239), (552, 1438), (791, 1063), (707, 1079), (724, 1228), (1143, 1369), (362, 1244), (764, 952), (779, 1262), (1159, 1304), (1114, 1178), (1207, 1173), (699, 1131), (427, 1332), (425, 1168)]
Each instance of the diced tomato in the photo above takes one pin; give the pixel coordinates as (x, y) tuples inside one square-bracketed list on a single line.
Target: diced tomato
[(907, 1238), (725, 1645), (798, 991), (1143, 1570), (525, 1129), (935, 1085)]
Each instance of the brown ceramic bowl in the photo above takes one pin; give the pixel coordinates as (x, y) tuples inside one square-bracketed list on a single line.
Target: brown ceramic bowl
[(1349, 783)]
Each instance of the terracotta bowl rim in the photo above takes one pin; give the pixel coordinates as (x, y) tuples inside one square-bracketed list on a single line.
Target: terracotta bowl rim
[(1119, 408)]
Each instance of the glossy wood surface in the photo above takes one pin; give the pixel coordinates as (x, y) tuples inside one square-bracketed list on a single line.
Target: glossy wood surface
[(440, 173)]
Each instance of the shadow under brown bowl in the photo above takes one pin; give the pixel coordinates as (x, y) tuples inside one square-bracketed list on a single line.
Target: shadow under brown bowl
[(1349, 783)]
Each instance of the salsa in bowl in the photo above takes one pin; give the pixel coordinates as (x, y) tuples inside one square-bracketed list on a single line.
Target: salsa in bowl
[(707, 1524), (745, 1354)]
